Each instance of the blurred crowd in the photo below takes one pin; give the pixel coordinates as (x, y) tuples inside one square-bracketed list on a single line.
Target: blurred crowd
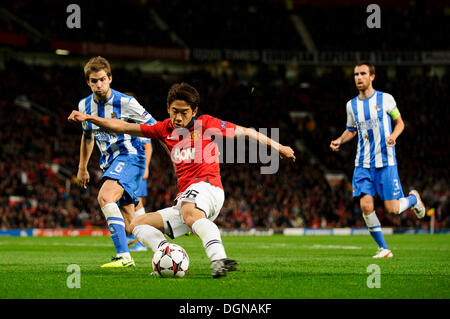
[(236, 24), (100, 21), (428, 21), (39, 149)]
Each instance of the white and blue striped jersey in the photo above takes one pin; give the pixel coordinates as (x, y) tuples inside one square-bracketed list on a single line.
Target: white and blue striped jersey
[(372, 120), (119, 106)]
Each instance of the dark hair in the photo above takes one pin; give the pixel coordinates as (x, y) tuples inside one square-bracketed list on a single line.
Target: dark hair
[(184, 92), (370, 65), (97, 64)]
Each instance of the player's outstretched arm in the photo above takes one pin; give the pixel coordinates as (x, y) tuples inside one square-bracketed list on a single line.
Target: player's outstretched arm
[(113, 125), (344, 138), (284, 151)]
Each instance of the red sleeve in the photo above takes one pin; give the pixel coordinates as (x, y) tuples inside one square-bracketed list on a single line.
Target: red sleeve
[(218, 126), (153, 131)]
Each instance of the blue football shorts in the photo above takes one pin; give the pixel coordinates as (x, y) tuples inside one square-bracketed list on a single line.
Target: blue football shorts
[(383, 181), (128, 171), (142, 189)]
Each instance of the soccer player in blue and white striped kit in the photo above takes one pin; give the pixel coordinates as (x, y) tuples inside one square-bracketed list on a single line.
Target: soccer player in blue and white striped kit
[(369, 115), (122, 156)]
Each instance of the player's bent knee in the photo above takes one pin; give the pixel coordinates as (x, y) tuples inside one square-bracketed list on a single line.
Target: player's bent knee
[(191, 214), (103, 199), (110, 192), (367, 209), (190, 220)]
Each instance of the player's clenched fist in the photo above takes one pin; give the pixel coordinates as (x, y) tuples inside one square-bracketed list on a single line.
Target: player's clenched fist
[(335, 145), (77, 117), (390, 141)]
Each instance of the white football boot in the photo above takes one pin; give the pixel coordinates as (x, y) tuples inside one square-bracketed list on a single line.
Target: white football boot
[(383, 253), (419, 208)]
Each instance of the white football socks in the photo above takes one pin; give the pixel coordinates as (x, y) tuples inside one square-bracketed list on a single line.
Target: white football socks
[(374, 226), (372, 221), (149, 236), (403, 204), (209, 233)]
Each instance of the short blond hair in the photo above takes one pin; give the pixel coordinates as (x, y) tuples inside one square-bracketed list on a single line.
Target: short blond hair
[(97, 64)]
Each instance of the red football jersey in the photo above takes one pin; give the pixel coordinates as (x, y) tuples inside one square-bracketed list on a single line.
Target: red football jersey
[(193, 150)]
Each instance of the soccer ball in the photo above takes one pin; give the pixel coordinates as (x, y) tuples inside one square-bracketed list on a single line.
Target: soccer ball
[(170, 260)]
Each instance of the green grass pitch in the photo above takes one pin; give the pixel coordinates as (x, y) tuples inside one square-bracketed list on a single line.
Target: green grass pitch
[(272, 267)]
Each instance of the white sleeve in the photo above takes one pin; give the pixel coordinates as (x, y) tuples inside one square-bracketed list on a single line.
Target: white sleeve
[(136, 113), (388, 103), (351, 124)]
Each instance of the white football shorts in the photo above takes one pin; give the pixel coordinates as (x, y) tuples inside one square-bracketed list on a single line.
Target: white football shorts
[(205, 196)]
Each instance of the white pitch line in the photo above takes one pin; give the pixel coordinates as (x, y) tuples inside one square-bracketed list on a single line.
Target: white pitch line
[(58, 244), (310, 247), (332, 247)]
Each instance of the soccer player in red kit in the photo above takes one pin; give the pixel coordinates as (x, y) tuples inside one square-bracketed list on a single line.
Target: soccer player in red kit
[(190, 139)]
